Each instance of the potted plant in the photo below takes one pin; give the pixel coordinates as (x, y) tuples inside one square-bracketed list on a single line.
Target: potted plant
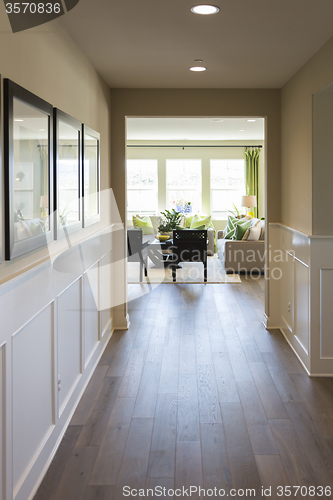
[(171, 220)]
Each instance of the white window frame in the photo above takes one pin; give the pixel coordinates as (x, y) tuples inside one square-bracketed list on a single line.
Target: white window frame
[(222, 214), (184, 190), (142, 189)]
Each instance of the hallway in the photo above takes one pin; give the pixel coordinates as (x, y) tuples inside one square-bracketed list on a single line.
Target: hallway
[(196, 393)]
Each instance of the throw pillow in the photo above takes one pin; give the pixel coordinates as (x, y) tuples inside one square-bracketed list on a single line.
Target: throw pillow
[(241, 228), (143, 222), (36, 228), (156, 221), (255, 231), (229, 231), (188, 221), (23, 231), (200, 220)]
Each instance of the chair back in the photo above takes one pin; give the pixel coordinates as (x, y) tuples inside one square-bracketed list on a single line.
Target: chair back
[(190, 245), (134, 241)]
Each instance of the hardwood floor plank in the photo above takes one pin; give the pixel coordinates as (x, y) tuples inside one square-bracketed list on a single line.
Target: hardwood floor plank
[(292, 453), (188, 409), (189, 467), (163, 447), (135, 460), (76, 474), (59, 463), (162, 486), (238, 361), (202, 347), (215, 462), (169, 370), (217, 340), (287, 358), (261, 336), (147, 395), (282, 380), (320, 408), (250, 348), (131, 380), (187, 359), (84, 407), (95, 425), (111, 450), (270, 398), (317, 450), (226, 385), (244, 472), (99, 492), (209, 408), (272, 474), (120, 359), (259, 431)]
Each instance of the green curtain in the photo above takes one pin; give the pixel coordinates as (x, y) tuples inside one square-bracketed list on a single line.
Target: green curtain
[(252, 175)]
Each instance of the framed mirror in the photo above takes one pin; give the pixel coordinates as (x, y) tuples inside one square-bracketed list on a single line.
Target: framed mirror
[(91, 176), (28, 155), (67, 161)]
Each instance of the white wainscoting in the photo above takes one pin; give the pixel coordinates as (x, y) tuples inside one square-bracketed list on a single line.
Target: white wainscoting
[(52, 335), (301, 301)]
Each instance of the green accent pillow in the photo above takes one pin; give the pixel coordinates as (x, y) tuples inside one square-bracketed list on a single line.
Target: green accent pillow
[(241, 228), (200, 220), (230, 227), (200, 227), (188, 220), (143, 222)]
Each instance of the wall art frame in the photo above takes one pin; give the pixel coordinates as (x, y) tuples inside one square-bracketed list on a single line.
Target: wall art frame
[(40, 142), (67, 174), (93, 197)]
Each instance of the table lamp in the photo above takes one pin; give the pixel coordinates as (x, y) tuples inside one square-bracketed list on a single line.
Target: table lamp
[(249, 201)]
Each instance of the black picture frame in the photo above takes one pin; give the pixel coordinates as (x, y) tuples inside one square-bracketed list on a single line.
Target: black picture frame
[(13, 91), (63, 229), (91, 219), (0, 177)]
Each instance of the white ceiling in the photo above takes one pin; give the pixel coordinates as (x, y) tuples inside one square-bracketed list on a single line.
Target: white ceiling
[(152, 43), (194, 129)]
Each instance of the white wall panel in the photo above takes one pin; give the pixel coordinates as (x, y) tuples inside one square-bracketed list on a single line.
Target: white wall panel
[(2, 421), (326, 314), (91, 292), (106, 292), (33, 391), (69, 341), (302, 304)]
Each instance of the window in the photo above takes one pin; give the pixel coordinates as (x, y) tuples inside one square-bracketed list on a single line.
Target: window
[(142, 186), (184, 183), (227, 181)]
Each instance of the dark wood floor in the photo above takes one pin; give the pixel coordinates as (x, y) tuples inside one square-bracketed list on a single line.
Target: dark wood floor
[(196, 392)]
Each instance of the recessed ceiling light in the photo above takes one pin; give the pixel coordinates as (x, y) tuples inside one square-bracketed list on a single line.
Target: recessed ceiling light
[(217, 120), (42, 129), (205, 10), (198, 60), (251, 120), (242, 130), (18, 120), (198, 68)]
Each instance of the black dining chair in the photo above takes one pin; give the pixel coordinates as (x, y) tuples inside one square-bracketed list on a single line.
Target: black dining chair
[(189, 245), (137, 251)]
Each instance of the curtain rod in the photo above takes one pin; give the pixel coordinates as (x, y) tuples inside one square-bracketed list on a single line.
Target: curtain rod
[(189, 146)]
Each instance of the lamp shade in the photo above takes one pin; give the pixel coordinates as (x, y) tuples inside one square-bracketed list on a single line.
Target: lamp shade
[(249, 201)]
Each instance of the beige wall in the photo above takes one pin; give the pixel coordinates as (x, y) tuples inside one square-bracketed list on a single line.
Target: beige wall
[(205, 155), (186, 103), (304, 204), (46, 61)]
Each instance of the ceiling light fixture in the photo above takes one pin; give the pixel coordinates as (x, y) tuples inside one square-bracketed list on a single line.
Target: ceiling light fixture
[(242, 130), (251, 120), (198, 68), (42, 129), (217, 120), (205, 10), (18, 120)]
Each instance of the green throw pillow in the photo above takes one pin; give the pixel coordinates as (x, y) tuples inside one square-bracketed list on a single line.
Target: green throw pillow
[(230, 227), (241, 228), (200, 220), (188, 221), (143, 222)]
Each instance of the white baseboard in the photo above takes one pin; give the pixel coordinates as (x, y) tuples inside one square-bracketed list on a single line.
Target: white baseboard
[(267, 323)]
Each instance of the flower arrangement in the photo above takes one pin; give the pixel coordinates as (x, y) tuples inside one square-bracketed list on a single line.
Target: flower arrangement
[(183, 207)]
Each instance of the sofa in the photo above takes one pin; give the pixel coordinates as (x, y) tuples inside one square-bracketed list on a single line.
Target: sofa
[(242, 256)]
